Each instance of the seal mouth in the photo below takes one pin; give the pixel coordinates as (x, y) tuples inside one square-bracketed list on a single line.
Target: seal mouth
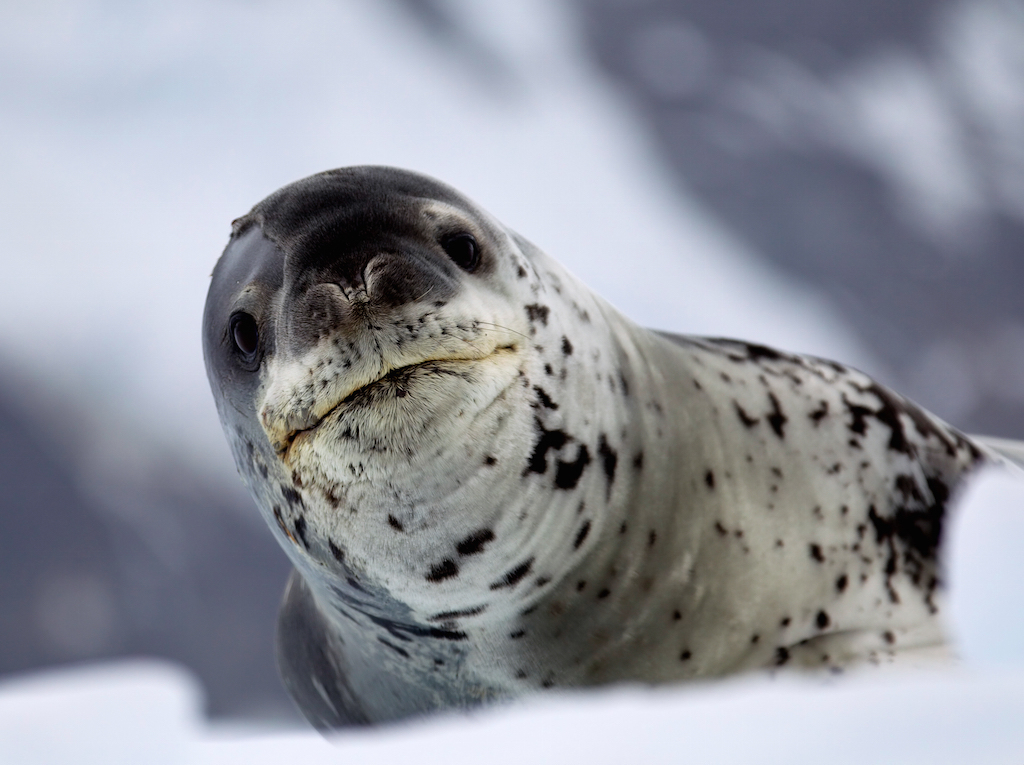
[(394, 384)]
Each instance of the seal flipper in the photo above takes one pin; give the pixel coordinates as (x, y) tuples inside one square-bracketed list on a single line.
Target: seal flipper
[(310, 659)]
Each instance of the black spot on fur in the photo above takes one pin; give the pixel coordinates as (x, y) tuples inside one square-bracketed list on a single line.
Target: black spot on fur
[(685, 655), (858, 416), (652, 537), (907, 486), (755, 638), (280, 521), (446, 569), (777, 419), (475, 542), (435, 632), (622, 528), (489, 460), (939, 490), (300, 531), (546, 439), (544, 398), (581, 585), (676, 616), (816, 553), (720, 529), (841, 583), (756, 352), (291, 496), (514, 576), (781, 656), (822, 620), (446, 616), (537, 312), (638, 461), (889, 637), (581, 535), (394, 523), (785, 621), (609, 460), (566, 346), (336, 552), (400, 651), (745, 418), (568, 473), (516, 635), (819, 414), (709, 479), (604, 593), (912, 533), (889, 415)]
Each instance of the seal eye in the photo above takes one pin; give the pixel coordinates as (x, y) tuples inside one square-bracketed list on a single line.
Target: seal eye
[(462, 249), (246, 334)]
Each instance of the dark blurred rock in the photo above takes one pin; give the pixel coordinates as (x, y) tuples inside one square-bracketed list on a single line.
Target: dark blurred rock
[(754, 107), (79, 582)]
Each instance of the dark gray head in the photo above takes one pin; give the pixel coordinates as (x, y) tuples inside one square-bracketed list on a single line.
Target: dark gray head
[(308, 249)]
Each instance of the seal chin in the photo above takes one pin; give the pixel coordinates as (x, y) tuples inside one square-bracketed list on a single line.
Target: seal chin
[(402, 386)]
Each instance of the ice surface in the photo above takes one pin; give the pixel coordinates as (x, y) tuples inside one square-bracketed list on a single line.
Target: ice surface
[(127, 713), (986, 571)]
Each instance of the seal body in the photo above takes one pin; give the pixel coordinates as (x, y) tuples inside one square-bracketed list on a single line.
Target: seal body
[(490, 481)]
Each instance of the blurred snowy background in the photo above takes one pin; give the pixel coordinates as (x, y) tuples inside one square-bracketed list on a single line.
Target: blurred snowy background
[(843, 178)]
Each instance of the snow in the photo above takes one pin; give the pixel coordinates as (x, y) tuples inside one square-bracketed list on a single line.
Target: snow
[(986, 569), (128, 712)]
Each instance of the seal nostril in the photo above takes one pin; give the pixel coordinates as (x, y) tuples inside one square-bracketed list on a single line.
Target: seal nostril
[(462, 249), (246, 334)]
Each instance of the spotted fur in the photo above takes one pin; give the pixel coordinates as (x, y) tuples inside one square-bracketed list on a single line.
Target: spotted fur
[(491, 482)]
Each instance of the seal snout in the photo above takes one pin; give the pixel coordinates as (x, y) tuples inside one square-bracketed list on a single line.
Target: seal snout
[(322, 311)]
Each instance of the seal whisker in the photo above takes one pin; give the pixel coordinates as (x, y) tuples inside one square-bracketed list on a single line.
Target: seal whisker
[(506, 329)]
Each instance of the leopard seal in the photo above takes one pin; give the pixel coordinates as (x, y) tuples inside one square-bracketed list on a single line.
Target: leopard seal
[(489, 481)]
